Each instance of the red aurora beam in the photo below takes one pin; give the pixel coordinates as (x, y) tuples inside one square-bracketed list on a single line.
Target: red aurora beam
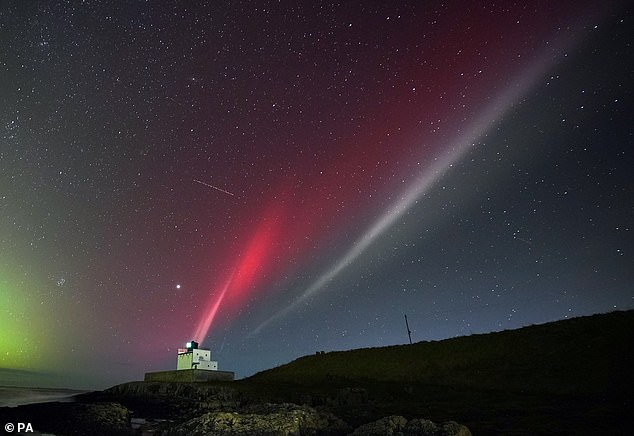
[(235, 290)]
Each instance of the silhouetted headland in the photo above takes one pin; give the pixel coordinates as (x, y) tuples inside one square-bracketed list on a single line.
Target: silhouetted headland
[(567, 377)]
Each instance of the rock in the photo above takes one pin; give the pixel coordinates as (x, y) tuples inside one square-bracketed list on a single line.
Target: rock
[(105, 418), (421, 427), (189, 391), (390, 425), (397, 425), (178, 401), (266, 420), (451, 428), (425, 427)]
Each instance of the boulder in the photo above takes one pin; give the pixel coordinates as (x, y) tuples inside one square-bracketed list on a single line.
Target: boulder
[(265, 420), (425, 427), (388, 426), (100, 417), (398, 425)]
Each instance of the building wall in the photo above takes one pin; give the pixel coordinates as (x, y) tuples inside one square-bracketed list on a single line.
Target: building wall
[(210, 365), (189, 375), (200, 354), (184, 361), (196, 359)]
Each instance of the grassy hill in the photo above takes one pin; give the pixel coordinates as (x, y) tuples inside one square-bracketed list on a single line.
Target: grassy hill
[(571, 377), (588, 355)]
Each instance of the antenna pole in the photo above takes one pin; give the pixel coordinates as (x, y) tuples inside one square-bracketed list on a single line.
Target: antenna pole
[(409, 332)]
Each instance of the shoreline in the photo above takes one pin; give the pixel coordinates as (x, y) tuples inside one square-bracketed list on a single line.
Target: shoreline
[(15, 396)]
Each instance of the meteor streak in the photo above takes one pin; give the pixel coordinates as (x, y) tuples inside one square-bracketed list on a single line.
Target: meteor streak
[(458, 148), (214, 187)]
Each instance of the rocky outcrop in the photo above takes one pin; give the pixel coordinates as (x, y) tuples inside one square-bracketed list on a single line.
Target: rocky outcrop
[(388, 426), (201, 409), (266, 420), (106, 418), (189, 391), (172, 400), (398, 425), (424, 427), (291, 419)]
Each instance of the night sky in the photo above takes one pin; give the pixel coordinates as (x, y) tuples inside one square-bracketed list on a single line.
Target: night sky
[(279, 178)]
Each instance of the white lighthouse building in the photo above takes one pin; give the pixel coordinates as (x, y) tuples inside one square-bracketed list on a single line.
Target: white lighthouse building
[(193, 357), (193, 364)]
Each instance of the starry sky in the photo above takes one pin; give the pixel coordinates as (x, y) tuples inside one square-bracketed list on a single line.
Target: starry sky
[(278, 178)]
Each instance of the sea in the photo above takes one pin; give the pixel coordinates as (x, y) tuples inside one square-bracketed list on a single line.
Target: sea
[(11, 396)]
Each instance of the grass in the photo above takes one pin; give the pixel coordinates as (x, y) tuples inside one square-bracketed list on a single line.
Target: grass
[(566, 377), (585, 355)]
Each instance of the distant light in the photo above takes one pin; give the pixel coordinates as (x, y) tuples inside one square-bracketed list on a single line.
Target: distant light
[(189, 345), (178, 286)]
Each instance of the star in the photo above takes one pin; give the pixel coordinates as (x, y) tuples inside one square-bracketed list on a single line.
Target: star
[(325, 177)]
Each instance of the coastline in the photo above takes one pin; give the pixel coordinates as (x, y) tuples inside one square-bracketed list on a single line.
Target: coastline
[(14, 396)]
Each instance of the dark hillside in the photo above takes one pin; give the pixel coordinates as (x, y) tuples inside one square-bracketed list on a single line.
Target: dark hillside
[(587, 355), (568, 377)]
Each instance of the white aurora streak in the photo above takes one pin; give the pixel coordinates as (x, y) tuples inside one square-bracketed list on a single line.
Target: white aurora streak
[(205, 324), (459, 147)]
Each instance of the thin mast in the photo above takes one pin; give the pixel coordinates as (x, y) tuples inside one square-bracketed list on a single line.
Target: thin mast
[(409, 332)]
